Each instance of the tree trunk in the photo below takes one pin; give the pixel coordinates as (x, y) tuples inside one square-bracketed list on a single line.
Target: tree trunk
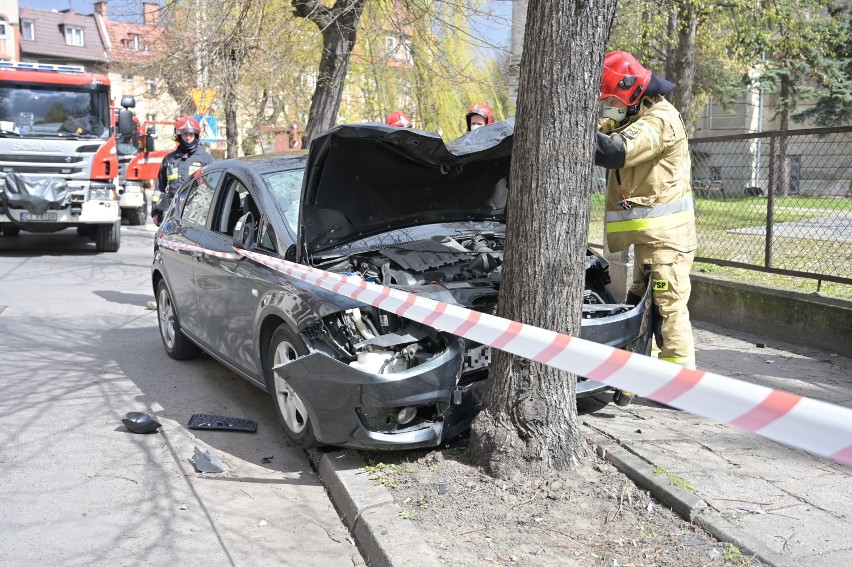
[(783, 177), (529, 424), (338, 26), (232, 62), (684, 64)]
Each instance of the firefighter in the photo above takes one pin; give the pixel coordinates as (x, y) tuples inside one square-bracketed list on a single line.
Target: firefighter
[(399, 119), (642, 142), (478, 115), (179, 165)]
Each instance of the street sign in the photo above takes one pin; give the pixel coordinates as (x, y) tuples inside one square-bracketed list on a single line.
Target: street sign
[(203, 99), (209, 129)]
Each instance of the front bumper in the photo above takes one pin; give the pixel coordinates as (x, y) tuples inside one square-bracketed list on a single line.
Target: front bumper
[(339, 398), (131, 196), (88, 212)]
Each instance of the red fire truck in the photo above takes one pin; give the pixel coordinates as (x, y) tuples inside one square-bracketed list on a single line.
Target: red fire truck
[(58, 165), (142, 170)]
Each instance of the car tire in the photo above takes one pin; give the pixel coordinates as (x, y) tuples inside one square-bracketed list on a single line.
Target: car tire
[(289, 408), (108, 237), (177, 345), (11, 231)]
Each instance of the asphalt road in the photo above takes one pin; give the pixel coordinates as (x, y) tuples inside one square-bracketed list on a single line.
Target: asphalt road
[(78, 350)]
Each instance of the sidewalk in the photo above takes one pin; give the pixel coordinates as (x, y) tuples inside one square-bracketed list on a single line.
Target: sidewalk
[(782, 505)]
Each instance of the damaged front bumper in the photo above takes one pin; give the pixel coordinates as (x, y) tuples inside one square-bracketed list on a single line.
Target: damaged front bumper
[(350, 407)]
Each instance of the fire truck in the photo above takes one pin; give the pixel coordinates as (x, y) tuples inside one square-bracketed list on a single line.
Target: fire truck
[(58, 164), (141, 172)]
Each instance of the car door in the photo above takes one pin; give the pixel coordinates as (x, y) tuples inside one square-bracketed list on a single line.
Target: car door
[(230, 287), (186, 224)]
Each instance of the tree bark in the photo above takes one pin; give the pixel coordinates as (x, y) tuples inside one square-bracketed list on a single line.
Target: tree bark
[(338, 26), (684, 60), (529, 424)]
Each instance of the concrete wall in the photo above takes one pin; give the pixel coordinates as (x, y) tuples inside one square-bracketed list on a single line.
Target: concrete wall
[(812, 320)]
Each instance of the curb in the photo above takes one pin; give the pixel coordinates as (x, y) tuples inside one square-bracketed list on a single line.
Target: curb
[(369, 511), (687, 505)]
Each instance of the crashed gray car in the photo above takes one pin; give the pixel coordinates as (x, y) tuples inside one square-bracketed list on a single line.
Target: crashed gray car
[(394, 206)]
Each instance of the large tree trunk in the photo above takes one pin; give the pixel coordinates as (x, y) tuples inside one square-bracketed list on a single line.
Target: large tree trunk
[(684, 60), (529, 423), (783, 177), (338, 26)]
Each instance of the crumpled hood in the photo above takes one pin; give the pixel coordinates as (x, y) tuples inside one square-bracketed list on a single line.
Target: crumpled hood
[(365, 179)]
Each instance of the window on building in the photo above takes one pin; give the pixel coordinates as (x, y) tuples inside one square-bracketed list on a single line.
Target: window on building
[(73, 35), (152, 88), (133, 43), (390, 44), (127, 77), (28, 30), (4, 29)]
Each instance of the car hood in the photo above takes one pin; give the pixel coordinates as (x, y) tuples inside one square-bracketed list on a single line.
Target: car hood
[(366, 179)]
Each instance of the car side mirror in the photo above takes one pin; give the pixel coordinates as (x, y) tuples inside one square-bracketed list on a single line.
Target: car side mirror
[(244, 232)]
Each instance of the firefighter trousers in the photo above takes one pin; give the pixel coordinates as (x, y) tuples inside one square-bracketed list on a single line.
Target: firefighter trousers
[(670, 283)]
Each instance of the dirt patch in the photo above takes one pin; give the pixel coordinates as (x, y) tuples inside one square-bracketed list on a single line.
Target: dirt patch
[(594, 516)]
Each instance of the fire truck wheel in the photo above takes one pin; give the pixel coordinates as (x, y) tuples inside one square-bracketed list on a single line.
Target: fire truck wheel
[(108, 237), (138, 216), (11, 231)]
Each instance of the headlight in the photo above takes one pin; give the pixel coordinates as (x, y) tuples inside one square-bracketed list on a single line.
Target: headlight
[(101, 194), (133, 187)]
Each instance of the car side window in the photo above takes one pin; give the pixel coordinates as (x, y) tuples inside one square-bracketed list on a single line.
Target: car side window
[(199, 196), (232, 205), (267, 237)]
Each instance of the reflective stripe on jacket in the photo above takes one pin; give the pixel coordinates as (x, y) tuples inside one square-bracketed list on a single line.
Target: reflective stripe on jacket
[(649, 200)]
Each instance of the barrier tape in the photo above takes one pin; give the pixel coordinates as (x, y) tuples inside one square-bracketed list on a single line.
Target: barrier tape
[(818, 427)]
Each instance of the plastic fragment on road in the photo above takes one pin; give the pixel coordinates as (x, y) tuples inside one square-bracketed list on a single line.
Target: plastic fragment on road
[(206, 461), (223, 422), (139, 422)]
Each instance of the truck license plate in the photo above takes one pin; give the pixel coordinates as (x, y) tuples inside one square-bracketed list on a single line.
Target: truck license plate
[(42, 217)]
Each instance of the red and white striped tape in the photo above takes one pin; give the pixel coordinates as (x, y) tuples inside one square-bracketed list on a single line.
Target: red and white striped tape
[(818, 427)]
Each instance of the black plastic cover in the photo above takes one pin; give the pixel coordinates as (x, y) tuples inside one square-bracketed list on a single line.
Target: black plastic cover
[(35, 193)]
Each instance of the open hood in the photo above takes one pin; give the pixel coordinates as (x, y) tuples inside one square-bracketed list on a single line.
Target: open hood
[(365, 179)]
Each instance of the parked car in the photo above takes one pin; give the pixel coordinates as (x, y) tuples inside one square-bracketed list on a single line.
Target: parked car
[(394, 206)]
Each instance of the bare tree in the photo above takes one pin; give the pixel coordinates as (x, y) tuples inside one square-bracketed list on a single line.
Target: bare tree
[(338, 26), (529, 423)]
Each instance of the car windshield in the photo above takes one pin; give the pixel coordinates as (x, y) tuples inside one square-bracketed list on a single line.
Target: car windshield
[(286, 188), (40, 112)]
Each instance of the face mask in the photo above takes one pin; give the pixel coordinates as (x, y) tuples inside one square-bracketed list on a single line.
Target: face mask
[(616, 113), (475, 126)]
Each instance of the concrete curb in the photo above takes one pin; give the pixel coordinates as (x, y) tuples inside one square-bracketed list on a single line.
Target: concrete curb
[(687, 505), (369, 511)]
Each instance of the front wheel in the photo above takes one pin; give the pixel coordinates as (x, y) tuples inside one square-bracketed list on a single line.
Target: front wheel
[(108, 237), (289, 408), (139, 215), (177, 345)]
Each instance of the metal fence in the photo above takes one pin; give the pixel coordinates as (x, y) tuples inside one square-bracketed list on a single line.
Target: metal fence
[(777, 202)]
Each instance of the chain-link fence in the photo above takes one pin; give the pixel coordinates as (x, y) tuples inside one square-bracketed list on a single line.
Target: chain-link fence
[(778, 202)]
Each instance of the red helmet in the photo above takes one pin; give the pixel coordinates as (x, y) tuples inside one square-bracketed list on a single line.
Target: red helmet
[(624, 78), (398, 119), (187, 124), (482, 110)]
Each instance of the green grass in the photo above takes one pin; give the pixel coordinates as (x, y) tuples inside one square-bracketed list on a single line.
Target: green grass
[(720, 216)]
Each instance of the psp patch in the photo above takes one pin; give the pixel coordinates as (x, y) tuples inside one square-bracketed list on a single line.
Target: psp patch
[(660, 285)]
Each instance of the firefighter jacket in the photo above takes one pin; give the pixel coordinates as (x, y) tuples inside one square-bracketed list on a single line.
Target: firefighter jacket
[(649, 198), (179, 166)]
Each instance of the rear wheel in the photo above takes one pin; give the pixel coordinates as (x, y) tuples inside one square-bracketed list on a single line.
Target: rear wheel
[(177, 345), (108, 237), (289, 408), (11, 231)]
